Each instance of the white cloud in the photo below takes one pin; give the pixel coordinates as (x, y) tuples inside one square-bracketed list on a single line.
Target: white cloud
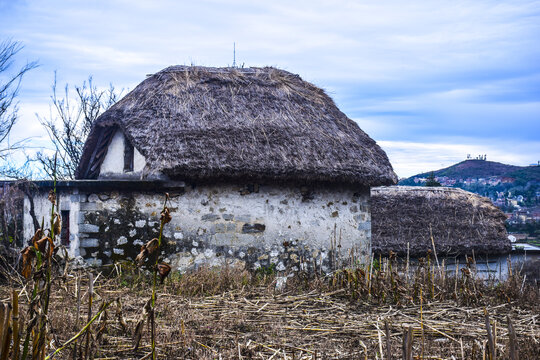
[(410, 72)]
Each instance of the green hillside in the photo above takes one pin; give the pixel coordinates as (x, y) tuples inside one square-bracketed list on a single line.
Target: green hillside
[(482, 169), (527, 173)]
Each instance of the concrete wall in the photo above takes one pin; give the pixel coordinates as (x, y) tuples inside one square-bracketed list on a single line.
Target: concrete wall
[(285, 227), (67, 200), (113, 164)]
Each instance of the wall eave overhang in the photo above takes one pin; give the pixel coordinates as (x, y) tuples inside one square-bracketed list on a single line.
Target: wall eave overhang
[(103, 185)]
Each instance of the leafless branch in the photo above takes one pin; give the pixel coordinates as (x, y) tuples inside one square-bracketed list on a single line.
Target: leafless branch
[(69, 123), (9, 88)]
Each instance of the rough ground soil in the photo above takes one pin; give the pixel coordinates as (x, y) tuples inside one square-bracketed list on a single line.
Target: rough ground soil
[(257, 322)]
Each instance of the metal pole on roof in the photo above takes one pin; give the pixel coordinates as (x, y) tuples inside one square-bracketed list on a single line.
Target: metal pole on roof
[(234, 55)]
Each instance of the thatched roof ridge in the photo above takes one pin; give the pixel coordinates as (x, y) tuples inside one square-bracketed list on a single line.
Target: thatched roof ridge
[(230, 123), (461, 222)]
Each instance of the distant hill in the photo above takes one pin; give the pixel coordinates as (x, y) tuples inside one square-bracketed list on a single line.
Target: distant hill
[(514, 189), (481, 169)]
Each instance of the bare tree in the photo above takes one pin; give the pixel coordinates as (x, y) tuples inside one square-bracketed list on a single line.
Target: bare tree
[(10, 82), (69, 123)]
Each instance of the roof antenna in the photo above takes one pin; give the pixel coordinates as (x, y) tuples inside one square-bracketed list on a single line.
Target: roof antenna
[(234, 55)]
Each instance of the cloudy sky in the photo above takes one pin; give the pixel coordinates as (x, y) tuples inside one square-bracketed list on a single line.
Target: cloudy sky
[(430, 81)]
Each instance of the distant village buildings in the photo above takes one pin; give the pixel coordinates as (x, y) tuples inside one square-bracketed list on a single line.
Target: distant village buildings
[(519, 208)]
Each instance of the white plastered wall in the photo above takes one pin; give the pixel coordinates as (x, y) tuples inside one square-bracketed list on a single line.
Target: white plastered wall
[(275, 225), (42, 208), (113, 164)]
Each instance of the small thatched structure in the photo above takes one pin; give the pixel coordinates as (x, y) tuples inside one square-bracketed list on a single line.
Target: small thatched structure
[(460, 222), (253, 124)]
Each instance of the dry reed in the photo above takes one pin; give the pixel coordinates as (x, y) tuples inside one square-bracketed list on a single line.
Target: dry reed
[(234, 314)]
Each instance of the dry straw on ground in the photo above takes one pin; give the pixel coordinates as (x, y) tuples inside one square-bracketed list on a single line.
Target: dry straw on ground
[(234, 314)]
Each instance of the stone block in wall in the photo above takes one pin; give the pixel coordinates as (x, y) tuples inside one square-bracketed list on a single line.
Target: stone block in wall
[(363, 217), (210, 217), (253, 228), (81, 218), (243, 218), (90, 206), (364, 225), (228, 217), (121, 240), (218, 228), (104, 197), (223, 239), (89, 243), (88, 228), (94, 262), (222, 228), (244, 240), (139, 223)]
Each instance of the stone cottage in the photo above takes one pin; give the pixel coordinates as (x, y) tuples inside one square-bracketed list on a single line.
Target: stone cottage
[(262, 169)]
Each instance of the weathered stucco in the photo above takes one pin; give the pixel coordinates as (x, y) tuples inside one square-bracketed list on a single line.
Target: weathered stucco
[(285, 227), (113, 163), (67, 201)]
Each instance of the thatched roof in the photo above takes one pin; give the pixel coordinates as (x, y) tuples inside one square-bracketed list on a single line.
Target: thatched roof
[(230, 123), (461, 222)]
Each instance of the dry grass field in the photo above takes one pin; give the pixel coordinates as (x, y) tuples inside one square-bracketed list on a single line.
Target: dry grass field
[(230, 313)]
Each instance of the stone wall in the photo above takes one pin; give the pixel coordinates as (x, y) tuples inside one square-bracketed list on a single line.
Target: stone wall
[(11, 214), (281, 227)]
